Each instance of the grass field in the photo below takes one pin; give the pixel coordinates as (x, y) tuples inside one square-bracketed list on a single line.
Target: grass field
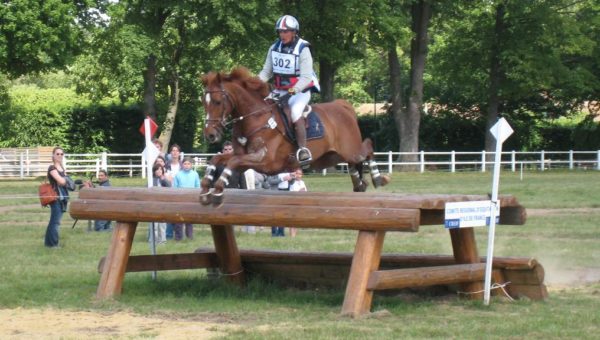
[(562, 232)]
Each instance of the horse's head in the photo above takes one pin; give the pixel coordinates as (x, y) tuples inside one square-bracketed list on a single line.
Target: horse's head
[(221, 94), (218, 105)]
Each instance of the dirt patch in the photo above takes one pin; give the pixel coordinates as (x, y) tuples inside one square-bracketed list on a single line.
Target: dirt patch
[(59, 324)]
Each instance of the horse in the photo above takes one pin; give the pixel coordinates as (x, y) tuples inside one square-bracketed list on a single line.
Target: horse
[(260, 142)]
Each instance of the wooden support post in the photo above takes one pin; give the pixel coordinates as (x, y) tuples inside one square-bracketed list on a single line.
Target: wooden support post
[(228, 253), (111, 281), (367, 255), (464, 247)]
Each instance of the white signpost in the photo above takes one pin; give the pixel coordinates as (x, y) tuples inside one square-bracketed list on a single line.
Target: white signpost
[(479, 213), (501, 131)]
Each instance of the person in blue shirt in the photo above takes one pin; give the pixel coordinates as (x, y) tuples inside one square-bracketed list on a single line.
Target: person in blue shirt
[(185, 178)]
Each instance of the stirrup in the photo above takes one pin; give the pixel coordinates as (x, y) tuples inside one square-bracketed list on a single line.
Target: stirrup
[(304, 162)]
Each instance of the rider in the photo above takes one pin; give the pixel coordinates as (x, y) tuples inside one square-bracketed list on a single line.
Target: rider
[(290, 63)]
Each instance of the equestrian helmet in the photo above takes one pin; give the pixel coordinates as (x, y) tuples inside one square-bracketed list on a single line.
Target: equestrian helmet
[(287, 22)]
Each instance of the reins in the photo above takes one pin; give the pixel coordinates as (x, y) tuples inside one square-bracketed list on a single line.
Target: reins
[(224, 123)]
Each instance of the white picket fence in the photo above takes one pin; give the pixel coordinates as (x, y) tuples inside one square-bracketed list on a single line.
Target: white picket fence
[(22, 163)]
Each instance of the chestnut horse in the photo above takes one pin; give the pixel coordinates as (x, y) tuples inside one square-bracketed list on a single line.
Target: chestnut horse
[(237, 100)]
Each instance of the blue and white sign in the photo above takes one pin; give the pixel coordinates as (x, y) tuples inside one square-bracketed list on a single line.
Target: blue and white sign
[(468, 214)]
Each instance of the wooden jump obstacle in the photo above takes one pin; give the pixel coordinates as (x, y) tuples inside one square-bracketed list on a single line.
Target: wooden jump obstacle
[(371, 214)]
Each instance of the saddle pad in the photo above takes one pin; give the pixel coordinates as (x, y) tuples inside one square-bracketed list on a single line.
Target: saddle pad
[(314, 126)]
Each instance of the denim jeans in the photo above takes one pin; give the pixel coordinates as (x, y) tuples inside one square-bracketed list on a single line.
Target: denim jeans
[(51, 239), (277, 231), (178, 231)]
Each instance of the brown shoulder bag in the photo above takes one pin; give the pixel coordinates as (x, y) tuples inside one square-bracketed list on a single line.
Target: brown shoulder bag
[(47, 194)]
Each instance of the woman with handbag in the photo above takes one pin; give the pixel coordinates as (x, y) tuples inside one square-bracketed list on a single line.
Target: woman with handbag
[(57, 177)]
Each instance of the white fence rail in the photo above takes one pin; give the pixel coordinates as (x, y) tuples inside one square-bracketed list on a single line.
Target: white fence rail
[(23, 164)]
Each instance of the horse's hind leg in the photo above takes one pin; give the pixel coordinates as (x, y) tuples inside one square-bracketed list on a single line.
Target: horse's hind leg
[(376, 177), (356, 174)]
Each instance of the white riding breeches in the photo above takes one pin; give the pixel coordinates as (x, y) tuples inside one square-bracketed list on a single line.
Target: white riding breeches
[(297, 103)]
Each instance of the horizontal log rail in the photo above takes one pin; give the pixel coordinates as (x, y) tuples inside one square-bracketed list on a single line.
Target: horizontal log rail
[(265, 205)]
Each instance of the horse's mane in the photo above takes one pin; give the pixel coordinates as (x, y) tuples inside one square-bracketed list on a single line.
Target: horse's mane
[(239, 75)]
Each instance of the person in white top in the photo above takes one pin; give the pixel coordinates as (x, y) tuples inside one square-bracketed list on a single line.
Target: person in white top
[(297, 185), (290, 64)]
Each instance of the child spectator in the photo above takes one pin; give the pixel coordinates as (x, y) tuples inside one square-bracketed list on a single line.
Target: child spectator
[(185, 178)]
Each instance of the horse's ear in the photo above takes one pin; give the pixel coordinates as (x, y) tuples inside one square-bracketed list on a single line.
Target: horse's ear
[(204, 79)]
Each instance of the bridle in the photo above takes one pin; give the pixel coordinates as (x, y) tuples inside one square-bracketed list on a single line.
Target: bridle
[(222, 121)]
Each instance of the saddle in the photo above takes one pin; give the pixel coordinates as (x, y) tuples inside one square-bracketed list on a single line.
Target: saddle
[(314, 126)]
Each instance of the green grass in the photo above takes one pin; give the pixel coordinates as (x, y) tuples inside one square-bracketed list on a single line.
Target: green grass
[(32, 276)]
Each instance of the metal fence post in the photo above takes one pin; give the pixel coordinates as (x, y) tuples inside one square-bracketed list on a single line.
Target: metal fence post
[(422, 157), (453, 161), (390, 160), (21, 165), (598, 160), (104, 161), (483, 161), (570, 159), (513, 159), (542, 156), (27, 161)]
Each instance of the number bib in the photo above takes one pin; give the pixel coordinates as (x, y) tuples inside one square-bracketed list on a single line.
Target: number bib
[(284, 63)]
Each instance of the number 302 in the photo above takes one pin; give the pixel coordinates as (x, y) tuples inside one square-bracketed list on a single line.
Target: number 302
[(285, 63)]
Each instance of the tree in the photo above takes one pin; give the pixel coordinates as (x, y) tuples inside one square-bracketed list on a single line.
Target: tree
[(37, 36), (517, 58), (337, 32), (388, 30)]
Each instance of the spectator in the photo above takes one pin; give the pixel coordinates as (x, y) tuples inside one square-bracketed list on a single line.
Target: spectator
[(172, 167), (160, 180), (56, 176), (173, 161), (186, 178), (236, 180), (103, 181), (297, 185), (159, 146), (280, 182)]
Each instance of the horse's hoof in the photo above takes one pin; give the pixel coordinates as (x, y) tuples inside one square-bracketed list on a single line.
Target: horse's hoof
[(217, 199), (385, 180), (205, 198), (362, 187)]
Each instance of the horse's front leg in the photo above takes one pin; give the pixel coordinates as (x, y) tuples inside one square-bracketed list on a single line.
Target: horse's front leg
[(208, 179), (253, 160)]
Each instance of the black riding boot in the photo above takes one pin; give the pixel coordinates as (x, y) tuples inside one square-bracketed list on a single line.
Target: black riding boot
[(303, 155)]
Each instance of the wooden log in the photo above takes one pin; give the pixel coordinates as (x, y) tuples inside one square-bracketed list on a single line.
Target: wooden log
[(533, 292), (230, 214), (111, 281), (426, 276), (387, 260), (464, 248), (147, 263), (367, 253), (228, 253), (532, 276), (272, 197)]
